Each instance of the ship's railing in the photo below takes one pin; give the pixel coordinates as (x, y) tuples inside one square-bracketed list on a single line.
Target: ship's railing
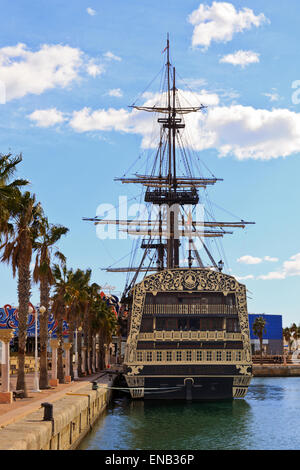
[(191, 336), (191, 356), (186, 309)]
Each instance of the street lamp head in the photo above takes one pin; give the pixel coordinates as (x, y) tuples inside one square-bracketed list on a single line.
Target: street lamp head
[(220, 265), (42, 310), (79, 328)]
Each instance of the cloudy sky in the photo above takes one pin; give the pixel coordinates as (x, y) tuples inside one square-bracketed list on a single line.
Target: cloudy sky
[(69, 71)]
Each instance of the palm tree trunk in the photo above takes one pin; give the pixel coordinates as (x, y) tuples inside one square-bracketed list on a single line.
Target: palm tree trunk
[(261, 350), (79, 344), (60, 364), (86, 338), (90, 342), (102, 364), (93, 358), (119, 350), (44, 301), (24, 286), (72, 349)]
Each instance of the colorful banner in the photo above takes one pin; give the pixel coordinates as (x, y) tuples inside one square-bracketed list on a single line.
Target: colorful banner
[(9, 318)]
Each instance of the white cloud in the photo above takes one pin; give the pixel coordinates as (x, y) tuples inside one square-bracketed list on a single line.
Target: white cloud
[(248, 259), (244, 278), (102, 120), (110, 56), (193, 83), (220, 21), (247, 132), (91, 12), (228, 94), (271, 259), (271, 275), (47, 117), (288, 269), (94, 69), (273, 95), (241, 58), (117, 92), (23, 71), (292, 267), (134, 121), (241, 131)]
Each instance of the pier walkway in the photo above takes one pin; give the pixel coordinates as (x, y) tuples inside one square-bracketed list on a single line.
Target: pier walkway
[(18, 409)]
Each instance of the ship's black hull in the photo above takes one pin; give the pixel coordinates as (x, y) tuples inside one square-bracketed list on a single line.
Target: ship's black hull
[(189, 389), (198, 388)]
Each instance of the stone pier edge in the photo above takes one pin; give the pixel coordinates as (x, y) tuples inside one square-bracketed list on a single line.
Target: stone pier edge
[(276, 370), (73, 418)]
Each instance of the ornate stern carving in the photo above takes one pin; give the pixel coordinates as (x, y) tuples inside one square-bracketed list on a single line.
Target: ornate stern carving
[(243, 369), (176, 280), (135, 370)]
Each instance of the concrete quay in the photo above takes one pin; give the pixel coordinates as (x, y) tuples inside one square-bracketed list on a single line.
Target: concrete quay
[(276, 370), (75, 409)]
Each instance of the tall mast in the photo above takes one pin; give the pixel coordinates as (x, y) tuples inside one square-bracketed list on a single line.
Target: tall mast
[(171, 215), (169, 109), (170, 191), (174, 130)]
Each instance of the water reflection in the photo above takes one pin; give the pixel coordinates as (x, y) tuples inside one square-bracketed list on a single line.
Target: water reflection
[(186, 426), (266, 419), (262, 391)]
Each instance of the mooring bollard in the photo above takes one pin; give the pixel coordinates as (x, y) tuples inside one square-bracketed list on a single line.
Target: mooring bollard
[(95, 386), (48, 411)]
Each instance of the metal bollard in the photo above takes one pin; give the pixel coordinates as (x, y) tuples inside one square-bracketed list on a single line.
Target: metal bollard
[(48, 411), (95, 385)]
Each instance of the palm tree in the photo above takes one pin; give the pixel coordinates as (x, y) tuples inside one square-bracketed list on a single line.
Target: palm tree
[(47, 236), (8, 188), (72, 301), (85, 293), (24, 213), (259, 328), (60, 303), (104, 324), (93, 296), (76, 287), (295, 330), (287, 336)]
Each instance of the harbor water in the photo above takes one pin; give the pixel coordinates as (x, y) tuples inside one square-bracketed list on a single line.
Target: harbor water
[(267, 418)]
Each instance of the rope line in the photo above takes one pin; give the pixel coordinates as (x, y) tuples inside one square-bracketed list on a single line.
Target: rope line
[(138, 388)]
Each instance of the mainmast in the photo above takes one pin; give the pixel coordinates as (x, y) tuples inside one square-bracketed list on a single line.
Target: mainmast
[(174, 198), (170, 191)]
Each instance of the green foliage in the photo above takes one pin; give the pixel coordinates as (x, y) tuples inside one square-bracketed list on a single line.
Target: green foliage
[(259, 327), (9, 191)]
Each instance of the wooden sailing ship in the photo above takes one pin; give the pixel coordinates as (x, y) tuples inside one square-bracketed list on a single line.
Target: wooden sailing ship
[(188, 333)]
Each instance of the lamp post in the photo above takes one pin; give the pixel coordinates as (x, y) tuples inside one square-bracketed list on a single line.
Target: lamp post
[(76, 353), (220, 265), (6, 395), (42, 310)]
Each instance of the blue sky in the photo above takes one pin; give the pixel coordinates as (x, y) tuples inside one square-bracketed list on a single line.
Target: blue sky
[(70, 71)]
